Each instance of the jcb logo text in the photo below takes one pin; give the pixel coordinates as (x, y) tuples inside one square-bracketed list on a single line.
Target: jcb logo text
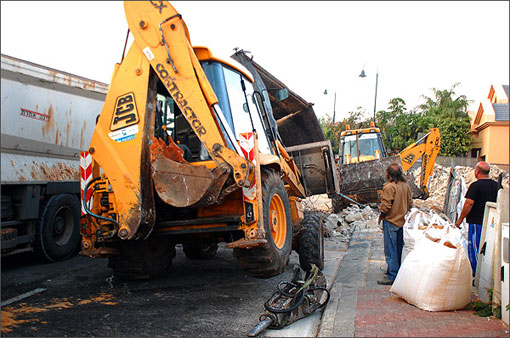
[(125, 113)]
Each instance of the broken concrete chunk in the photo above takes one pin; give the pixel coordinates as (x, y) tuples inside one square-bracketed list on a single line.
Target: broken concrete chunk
[(332, 221), (353, 217), (367, 212)]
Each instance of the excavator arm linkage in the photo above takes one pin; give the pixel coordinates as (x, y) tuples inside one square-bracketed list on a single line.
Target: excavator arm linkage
[(427, 149), (123, 143)]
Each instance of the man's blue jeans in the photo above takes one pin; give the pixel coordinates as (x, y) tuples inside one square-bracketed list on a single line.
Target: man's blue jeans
[(393, 245), (474, 235)]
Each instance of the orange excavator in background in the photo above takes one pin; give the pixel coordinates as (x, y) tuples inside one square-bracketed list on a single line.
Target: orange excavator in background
[(184, 151), (362, 161)]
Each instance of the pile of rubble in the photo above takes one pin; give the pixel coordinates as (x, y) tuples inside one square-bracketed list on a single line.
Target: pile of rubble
[(439, 180), (342, 225)]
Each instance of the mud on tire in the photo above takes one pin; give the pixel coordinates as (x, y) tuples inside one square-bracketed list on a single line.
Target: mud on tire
[(142, 259), (310, 242), (200, 250), (270, 260)]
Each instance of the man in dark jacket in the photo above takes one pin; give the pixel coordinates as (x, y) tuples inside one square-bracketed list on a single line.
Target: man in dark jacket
[(479, 192), (395, 203)]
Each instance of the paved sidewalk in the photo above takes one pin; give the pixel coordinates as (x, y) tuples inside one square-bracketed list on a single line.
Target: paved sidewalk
[(361, 308)]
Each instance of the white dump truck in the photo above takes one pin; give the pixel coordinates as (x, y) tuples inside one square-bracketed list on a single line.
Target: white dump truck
[(48, 117)]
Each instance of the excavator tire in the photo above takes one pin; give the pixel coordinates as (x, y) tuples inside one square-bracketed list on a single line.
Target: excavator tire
[(310, 240), (270, 260), (142, 259), (200, 250)]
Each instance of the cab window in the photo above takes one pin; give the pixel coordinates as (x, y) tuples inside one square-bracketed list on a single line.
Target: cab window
[(227, 86)]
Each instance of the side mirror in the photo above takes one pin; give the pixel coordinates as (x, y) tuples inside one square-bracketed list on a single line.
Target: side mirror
[(282, 94)]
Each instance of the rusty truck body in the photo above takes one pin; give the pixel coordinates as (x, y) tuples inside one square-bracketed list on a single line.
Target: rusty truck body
[(48, 117)]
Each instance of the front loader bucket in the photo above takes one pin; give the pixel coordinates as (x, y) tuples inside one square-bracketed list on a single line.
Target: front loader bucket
[(179, 183), (365, 179), (316, 163)]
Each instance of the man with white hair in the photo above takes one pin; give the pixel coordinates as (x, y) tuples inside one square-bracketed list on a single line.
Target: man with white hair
[(480, 192)]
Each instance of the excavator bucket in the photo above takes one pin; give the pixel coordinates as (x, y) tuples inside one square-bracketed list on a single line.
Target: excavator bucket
[(364, 179), (316, 162), (179, 183)]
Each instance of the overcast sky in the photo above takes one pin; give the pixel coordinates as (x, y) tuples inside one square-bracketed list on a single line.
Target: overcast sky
[(309, 45)]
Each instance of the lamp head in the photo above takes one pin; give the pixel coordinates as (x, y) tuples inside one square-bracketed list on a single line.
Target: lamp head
[(362, 73)]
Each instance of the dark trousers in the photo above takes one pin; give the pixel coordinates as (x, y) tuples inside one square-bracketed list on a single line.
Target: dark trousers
[(393, 246)]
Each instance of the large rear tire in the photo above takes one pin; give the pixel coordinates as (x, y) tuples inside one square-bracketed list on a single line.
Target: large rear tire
[(142, 259), (58, 230), (310, 240), (270, 260), (200, 250)]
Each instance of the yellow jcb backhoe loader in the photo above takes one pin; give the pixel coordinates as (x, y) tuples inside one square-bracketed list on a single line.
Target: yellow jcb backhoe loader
[(183, 152), (362, 163)]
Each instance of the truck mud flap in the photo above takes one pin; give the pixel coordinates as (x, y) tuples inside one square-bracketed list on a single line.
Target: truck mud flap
[(364, 179), (181, 184), (317, 166)]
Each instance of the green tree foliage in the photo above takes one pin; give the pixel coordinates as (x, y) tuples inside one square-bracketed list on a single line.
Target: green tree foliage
[(331, 131), (449, 114), (398, 126)]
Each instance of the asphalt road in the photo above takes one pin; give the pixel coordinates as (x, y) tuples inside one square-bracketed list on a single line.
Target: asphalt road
[(194, 298)]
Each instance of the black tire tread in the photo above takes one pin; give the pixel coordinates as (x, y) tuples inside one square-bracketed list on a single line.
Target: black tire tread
[(42, 249), (310, 239)]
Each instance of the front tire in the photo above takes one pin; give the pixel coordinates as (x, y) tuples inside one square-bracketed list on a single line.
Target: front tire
[(58, 229), (270, 260)]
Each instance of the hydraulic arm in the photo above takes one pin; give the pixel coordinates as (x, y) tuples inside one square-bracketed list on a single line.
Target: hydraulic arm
[(161, 50), (427, 149)]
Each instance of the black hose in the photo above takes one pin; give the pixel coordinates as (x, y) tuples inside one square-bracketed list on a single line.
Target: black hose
[(84, 203), (293, 307)]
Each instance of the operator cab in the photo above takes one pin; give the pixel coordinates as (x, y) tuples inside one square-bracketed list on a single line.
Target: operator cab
[(238, 102), (360, 145)]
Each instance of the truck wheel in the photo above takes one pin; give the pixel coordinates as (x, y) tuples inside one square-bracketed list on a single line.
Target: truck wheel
[(270, 260), (58, 230), (200, 250), (311, 242), (142, 259)]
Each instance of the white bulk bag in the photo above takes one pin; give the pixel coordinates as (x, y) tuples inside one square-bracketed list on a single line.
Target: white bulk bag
[(435, 277)]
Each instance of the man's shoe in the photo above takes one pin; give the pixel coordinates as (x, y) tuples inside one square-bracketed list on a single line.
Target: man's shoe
[(385, 281)]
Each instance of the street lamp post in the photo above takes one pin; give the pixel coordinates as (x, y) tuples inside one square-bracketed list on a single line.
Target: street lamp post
[(362, 75), (334, 104), (375, 100)]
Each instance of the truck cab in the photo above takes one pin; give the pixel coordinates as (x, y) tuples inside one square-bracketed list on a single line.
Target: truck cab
[(360, 145)]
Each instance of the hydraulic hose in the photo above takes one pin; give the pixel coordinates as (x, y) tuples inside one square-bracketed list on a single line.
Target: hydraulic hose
[(84, 203)]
